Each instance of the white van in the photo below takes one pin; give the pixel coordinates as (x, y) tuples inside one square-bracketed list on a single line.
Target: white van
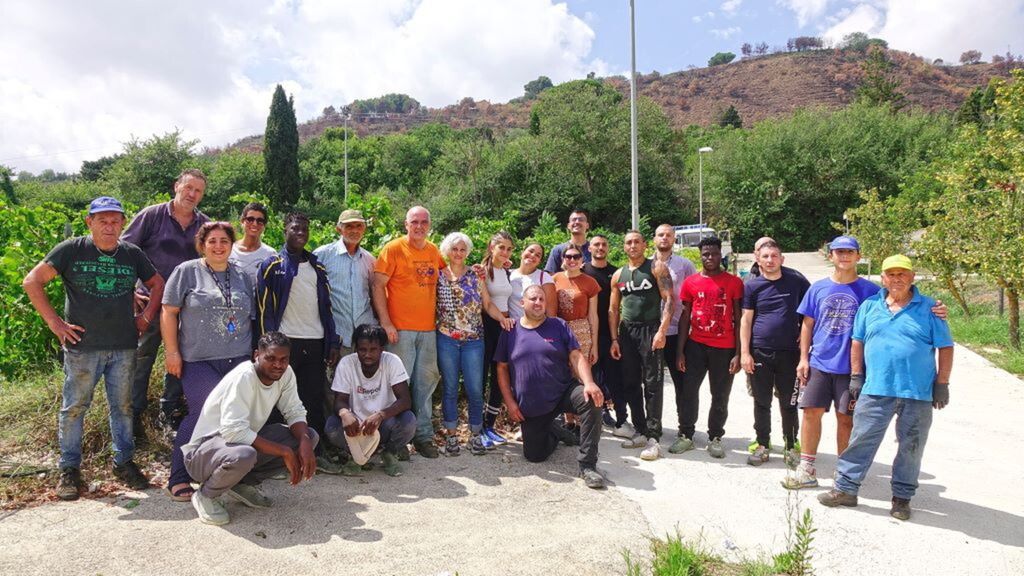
[(689, 236)]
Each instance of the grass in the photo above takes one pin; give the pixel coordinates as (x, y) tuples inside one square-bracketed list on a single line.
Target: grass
[(984, 331), (29, 451)]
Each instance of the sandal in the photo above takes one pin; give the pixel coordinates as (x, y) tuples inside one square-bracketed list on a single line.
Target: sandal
[(182, 494)]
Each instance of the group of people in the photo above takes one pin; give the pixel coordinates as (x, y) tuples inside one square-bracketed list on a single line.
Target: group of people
[(267, 352)]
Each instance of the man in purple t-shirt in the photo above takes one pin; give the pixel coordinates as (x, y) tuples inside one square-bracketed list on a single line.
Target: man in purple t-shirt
[(166, 233), (536, 381)]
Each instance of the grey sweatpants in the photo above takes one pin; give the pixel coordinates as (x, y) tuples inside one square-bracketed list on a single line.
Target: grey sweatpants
[(218, 465)]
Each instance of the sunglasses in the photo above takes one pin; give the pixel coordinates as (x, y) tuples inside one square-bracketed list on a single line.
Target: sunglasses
[(572, 256), (255, 220)]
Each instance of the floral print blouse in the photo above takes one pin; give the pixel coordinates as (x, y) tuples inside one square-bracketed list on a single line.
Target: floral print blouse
[(460, 306)]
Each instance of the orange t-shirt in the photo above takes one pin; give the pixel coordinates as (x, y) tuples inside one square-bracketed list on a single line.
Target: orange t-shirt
[(412, 283), (574, 295)]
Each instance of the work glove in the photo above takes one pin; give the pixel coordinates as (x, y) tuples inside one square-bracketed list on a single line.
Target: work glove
[(856, 383), (940, 395)]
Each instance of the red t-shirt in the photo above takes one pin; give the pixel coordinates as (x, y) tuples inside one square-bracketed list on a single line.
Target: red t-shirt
[(711, 300)]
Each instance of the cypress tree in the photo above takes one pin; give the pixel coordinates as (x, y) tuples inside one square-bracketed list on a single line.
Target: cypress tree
[(281, 152)]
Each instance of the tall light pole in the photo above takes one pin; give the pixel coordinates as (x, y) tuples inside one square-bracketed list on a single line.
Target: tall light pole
[(700, 186), (346, 158), (632, 118)]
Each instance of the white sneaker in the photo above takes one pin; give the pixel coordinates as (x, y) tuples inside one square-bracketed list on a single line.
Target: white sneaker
[(652, 451), (805, 476), (624, 431), (637, 441), (210, 510)]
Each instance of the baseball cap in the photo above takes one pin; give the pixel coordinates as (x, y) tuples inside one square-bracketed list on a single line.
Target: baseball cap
[(844, 243), (348, 216), (897, 261), (105, 204)]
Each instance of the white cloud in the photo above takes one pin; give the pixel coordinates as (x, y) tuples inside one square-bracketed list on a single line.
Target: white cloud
[(82, 78), (725, 33), (730, 7), (806, 10), (938, 28), (696, 19)]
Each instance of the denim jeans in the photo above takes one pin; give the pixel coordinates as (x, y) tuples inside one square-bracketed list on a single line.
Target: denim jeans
[(395, 432), (82, 371), (465, 357), (145, 356), (870, 420), (418, 351)]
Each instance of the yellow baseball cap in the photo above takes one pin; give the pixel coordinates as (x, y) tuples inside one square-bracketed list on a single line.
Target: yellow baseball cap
[(897, 261)]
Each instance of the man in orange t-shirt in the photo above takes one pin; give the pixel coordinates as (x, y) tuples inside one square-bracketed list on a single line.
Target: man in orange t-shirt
[(405, 299)]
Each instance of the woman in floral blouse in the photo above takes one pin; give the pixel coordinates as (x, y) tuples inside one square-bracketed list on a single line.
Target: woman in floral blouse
[(462, 298)]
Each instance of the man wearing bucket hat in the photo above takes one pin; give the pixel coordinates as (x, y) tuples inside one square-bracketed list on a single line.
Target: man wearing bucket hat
[(372, 403), (828, 308), (895, 337), (98, 333)]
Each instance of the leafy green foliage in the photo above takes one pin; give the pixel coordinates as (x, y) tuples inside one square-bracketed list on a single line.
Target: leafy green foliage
[(879, 86), (281, 152), (533, 88), (721, 58), (389, 103), (731, 117), (674, 556), (232, 173), (148, 168), (796, 560), (883, 225)]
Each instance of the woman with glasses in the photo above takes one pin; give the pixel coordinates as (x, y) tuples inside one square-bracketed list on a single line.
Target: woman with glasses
[(577, 301), (206, 324), (462, 299), (250, 250)]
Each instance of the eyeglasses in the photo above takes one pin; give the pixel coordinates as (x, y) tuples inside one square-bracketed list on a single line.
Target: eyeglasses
[(572, 256), (255, 220)]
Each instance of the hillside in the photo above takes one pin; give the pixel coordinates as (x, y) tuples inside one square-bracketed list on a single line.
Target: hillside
[(760, 87)]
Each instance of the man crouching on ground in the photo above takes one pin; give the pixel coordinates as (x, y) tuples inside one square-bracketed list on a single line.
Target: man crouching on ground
[(534, 360), (233, 448)]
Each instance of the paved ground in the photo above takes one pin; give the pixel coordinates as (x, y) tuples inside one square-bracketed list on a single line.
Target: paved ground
[(498, 514)]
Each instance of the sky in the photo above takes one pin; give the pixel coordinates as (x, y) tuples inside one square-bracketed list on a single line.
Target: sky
[(79, 79)]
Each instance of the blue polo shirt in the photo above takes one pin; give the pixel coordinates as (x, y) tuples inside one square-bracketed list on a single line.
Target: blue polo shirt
[(899, 349)]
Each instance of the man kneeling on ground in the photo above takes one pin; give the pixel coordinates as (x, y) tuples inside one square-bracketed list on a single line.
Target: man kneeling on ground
[(534, 360), (233, 448), (371, 394)]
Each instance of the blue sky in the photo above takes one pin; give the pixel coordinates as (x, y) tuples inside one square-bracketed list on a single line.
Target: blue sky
[(78, 79)]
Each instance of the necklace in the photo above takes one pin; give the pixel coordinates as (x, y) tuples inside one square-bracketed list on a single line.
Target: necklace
[(225, 291)]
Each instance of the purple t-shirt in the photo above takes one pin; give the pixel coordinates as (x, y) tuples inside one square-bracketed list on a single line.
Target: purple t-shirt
[(776, 323), (833, 307), (538, 360), (163, 240)]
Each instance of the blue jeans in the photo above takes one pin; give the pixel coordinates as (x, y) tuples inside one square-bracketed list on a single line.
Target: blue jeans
[(870, 420), (418, 351), (395, 432), (465, 357), (82, 371)]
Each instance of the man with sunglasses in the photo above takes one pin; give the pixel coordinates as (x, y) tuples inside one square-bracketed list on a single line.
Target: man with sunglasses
[(250, 251)]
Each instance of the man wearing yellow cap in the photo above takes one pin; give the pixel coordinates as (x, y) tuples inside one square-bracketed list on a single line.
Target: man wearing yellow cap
[(895, 336)]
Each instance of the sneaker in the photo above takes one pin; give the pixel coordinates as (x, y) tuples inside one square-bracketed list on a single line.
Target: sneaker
[(900, 508), (69, 484), (351, 469), (592, 478), (624, 430), (607, 419), (391, 465), (652, 451), (129, 474), (403, 453), (476, 446), (210, 510), (427, 449), (637, 441), (715, 448), (834, 498), (759, 456), (487, 442), (805, 476), (791, 457), (494, 437), (326, 465), (682, 444), (451, 446), (249, 495)]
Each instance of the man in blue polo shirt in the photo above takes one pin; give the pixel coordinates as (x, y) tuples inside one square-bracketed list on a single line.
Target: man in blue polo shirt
[(895, 335)]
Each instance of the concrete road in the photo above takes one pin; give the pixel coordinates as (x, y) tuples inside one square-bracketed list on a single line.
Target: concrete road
[(498, 514)]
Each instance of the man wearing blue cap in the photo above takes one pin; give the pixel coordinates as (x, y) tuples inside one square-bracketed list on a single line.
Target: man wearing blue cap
[(828, 309), (99, 333), (895, 337)]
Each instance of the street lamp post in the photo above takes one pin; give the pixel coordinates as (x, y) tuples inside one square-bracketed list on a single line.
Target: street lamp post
[(635, 197), (346, 158), (700, 186)]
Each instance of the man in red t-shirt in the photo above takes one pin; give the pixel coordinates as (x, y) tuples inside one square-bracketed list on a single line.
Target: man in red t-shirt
[(708, 344)]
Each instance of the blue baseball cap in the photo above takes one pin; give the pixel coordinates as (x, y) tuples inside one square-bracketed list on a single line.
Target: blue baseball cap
[(105, 204), (844, 243)]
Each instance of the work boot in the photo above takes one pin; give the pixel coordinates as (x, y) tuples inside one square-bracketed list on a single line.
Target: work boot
[(900, 508), (69, 484), (834, 498)]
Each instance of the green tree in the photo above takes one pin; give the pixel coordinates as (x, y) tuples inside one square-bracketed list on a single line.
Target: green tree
[(721, 58), (93, 170), (147, 168), (233, 172), (533, 88), (6, 186), (879, 86), (281, 152), (534, 123), (730, 117)]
